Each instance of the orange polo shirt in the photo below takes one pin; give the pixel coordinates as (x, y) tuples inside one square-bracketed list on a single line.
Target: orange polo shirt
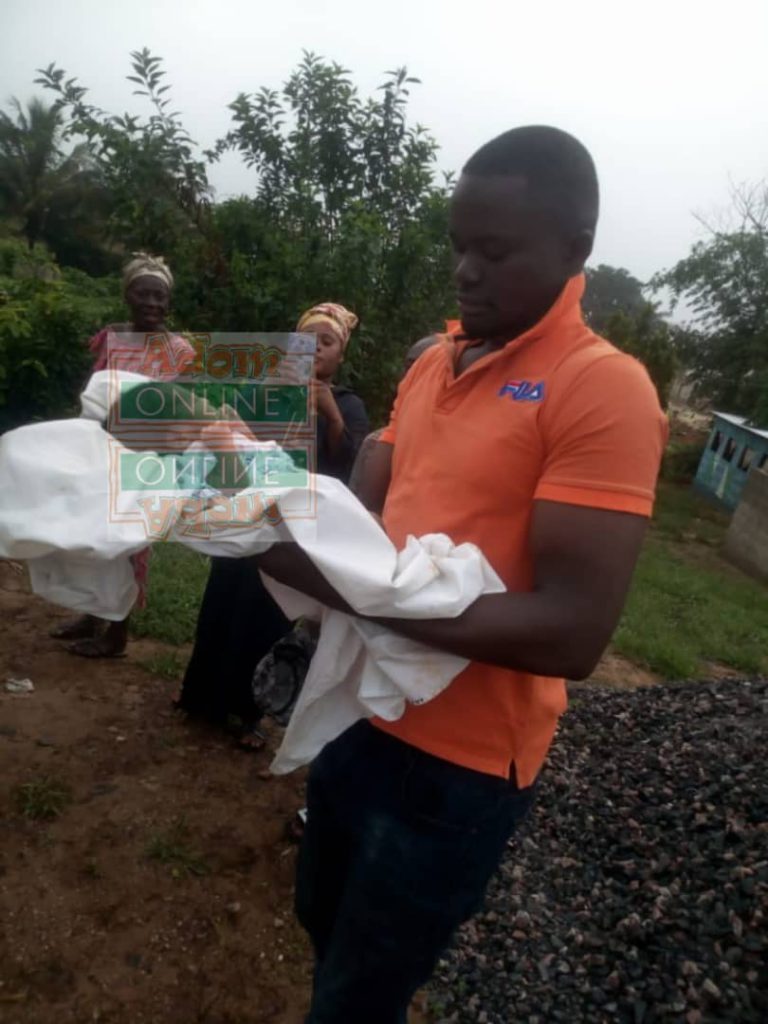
[(557, 414)]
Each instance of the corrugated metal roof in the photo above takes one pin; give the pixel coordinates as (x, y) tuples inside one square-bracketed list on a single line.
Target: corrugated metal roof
[(740, 421)]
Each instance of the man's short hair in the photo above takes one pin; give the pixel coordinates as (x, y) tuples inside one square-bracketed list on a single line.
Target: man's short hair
[(557, 168)]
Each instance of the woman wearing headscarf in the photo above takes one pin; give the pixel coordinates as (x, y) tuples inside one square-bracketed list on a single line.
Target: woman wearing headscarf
[(147, 285), (342, 421), (239, 622)]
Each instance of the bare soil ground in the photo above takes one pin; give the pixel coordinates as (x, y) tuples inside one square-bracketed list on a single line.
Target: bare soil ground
[(162, 892)]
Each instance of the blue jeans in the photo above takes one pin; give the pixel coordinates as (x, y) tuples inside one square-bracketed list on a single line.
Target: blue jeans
[(398, 849)]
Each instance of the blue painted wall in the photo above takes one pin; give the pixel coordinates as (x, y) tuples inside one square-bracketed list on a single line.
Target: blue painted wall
[(722, 471)]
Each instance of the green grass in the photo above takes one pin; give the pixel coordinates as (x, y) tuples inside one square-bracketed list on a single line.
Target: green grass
[(42, 799), (687, 606), (683, 515), (177, 579), (168, 665), (171, 847)]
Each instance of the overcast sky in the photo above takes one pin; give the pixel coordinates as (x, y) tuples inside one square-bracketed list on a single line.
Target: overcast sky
[(670, 96)]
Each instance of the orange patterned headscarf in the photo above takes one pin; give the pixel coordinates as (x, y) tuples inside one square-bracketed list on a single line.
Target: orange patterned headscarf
[(332, 318)]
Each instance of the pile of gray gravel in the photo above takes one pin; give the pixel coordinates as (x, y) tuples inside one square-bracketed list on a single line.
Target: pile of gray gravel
[(638, 891)]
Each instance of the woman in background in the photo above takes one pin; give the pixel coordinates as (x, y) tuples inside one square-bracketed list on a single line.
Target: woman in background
[(239, 622), (147, 285)]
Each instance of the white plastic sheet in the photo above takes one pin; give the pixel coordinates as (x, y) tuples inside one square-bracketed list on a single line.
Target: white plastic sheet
[(55, 504)]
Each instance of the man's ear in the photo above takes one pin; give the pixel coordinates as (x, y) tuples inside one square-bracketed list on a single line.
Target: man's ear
[(580, 249)]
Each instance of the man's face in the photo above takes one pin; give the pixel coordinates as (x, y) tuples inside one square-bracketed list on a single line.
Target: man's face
[(512, 258)]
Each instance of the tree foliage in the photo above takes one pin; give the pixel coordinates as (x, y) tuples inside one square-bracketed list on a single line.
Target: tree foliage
[(52, 196), (611, 290), (724, 281), (345, 206), (158, 186), (615, 306), (644, 335), (46, 316)]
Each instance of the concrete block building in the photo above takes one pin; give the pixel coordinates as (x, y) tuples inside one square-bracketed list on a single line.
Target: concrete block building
[(733, 450)]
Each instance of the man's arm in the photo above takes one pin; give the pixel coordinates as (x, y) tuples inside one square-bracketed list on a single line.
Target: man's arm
[(584, 559), (372, 473), (583, 564)]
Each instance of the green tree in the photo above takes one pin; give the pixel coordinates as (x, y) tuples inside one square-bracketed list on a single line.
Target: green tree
[(610, 290), (724, 281), (347, 207), (646, 337), (614, 305), (158, 187), (49, 195)]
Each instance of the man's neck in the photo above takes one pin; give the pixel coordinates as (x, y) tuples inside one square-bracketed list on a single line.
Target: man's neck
[(522, 324)]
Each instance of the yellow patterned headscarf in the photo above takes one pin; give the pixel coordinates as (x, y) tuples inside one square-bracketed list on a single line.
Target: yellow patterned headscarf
[(144, 265), (333, 318)]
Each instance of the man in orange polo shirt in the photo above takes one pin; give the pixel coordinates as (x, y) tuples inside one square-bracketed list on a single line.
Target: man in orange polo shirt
[(539, 442)]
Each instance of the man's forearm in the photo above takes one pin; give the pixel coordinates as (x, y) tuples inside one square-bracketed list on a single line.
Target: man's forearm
[(289, 564), (536, 632), (533, 632)]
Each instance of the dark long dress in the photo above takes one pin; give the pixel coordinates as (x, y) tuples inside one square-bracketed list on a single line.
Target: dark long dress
[(239, 622)]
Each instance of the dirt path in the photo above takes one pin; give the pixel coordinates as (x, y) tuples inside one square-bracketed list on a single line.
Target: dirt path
[(97, 930)]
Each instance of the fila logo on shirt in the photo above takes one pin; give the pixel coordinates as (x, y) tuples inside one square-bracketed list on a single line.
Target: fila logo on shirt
[(522, 390)]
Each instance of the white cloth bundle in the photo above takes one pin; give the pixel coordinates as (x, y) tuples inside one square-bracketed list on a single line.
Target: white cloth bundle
[(56, 512)]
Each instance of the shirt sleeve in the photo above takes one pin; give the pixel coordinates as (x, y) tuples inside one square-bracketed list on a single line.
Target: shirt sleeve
[(604, 434)]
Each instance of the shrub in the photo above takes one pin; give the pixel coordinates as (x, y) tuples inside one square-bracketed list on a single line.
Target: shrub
[(681, 460), (46, 317)]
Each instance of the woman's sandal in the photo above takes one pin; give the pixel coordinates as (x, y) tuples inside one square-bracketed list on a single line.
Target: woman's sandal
[(250, 739), (247, 737)]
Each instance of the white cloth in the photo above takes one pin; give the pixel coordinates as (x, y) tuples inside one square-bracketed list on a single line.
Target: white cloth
[(56, 511)]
